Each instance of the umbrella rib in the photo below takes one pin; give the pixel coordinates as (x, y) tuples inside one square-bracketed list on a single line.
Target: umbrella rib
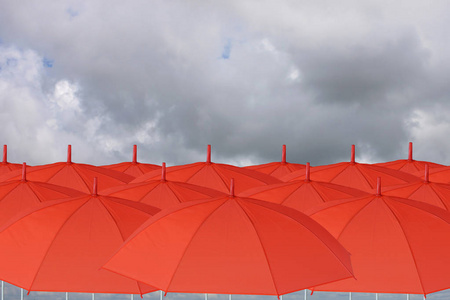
[(409, 245), (113, 219), (410, 194), (144, 183), (321, 196), (312, 232), (291, 193), (221, 178), (54, 174), (363, 174), (175, 194), (51, 244), (190, 241), (334, 177), (353, 217), (16, 182), (193, 174), (262, 247), (439, 196), (79, 173)]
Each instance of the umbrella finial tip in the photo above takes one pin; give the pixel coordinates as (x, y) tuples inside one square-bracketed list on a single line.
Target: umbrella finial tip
[(410, 152), (24, 171), (94, 187), (134, 154), (352, 158), (208, 154), (163, 172), (308, 172), (378, 191), (5, 153), (69, 154), (232, 187)]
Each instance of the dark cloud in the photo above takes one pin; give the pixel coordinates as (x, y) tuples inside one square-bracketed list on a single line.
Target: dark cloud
[(174, 77)]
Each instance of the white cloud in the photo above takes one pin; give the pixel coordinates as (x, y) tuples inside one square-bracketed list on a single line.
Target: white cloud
[(429, 130), (64, 96)]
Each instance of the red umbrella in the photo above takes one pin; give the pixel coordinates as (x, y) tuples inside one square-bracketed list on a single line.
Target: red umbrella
[(409, 165), (302, 194), (162, 193), (355, 175), (441, 175), (397, 245), (133, 168), (19, 195), (231, 245), (427, 191), (5, 166), (277, 169), (212, 175), (62, 245), (73, 175)]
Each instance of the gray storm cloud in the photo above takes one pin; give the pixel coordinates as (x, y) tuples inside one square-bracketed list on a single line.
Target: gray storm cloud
[(245, 77)]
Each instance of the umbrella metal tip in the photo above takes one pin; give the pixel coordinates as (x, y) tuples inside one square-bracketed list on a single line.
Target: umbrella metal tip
[(378, 191), (94, 188), (232, 187), (208, 154)]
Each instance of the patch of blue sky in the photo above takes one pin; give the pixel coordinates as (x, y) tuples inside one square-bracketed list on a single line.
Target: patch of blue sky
[(226, 51), (11, 62), (72, 12), (48, 63)]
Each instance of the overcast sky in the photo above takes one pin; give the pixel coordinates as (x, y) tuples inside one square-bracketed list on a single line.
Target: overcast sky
[(244, 76)]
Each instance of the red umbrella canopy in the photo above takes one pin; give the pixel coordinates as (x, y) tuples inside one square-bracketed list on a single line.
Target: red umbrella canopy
[(17, 196), (62, 245), (231, 245), (409, 165), (73, 175), (133, 168), (302, 195), (212, 175), (5, 166), (434, 193), (397, 245), (277, 169), (355, 175), (162, 193), (441, 175)]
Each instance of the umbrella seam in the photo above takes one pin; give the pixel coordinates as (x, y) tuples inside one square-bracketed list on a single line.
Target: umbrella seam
[(219, 174), (17, 183), (364, 175), (79, 171), (321, 195), (190, 241), (53, 240), (263, 249), (409, 245), (192, 187), (175, 194), (439, 196), (334, 177), (353, 217), (62, 165), (291, 193), (112, 217), (195, 173), (144, 183), (314, 233), (415, 190)]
